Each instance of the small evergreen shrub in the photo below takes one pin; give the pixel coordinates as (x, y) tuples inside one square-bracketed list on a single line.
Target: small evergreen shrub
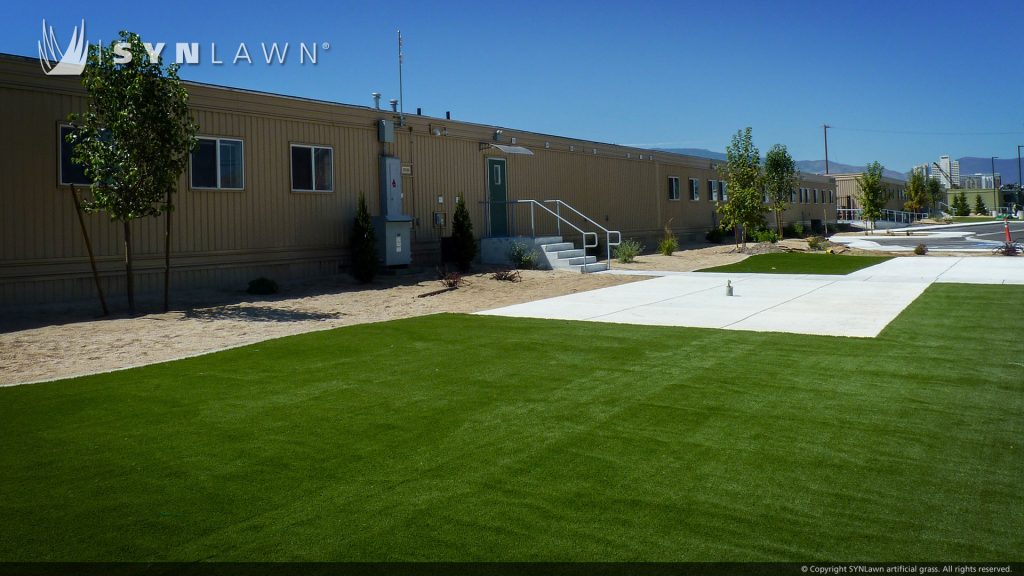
[(462, 236), (522, 256), (960, 206), (364, 244), (920, 249), (262, 286), (979, 206), (628, 250)]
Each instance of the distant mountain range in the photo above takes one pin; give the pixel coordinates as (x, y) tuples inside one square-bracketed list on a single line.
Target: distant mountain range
[(805, 166)]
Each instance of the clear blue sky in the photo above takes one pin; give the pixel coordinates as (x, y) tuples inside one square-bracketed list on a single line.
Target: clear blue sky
[(665, 74)]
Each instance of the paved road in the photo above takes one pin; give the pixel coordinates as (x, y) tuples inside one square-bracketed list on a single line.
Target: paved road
[(976, 237)]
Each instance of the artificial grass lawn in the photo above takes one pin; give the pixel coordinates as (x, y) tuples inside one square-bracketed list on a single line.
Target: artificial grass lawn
[(800, 263), (455, 437)]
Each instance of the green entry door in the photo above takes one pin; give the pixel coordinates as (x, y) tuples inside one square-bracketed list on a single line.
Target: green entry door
[(497, 191)]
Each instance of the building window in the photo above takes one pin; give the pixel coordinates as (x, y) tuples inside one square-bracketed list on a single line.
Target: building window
[(725, 193), (792, 195), (712, 190), (217, 163), (815, 195), (71, 172), (673, 188), (312, 168), (694, 189), (830, 199)]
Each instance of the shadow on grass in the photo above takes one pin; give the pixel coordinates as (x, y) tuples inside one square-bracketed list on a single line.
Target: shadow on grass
[(256, 314)]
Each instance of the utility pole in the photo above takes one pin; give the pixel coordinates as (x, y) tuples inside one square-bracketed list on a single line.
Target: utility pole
[(995, 189), (826, 127)]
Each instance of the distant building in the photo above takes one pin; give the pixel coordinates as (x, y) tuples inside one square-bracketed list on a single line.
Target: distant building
[(980, 181), (946, 171)]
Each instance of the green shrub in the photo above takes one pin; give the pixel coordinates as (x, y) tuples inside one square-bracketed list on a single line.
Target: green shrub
[(979, 206), (364, 244), (669, 243), (920, 249), (462, 236), (262, 286), (715, 235), (522, 256), (628, 250), (817, 243), (796, 230), (960, 206), (766, 236)]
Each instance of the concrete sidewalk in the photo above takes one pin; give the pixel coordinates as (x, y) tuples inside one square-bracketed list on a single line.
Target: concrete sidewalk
[(859, 304)]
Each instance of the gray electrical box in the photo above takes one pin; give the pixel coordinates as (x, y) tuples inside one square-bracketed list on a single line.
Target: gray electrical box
[(393, 228), (385, 130), (390, 186), (393, 240)]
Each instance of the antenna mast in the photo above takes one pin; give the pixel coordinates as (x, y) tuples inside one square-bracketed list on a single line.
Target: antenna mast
[(401, 96)]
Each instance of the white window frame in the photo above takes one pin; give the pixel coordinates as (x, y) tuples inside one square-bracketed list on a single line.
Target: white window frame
[(312, 166), (815, 196), (722, 188), (673, 188), (694, 190), (218, 140)]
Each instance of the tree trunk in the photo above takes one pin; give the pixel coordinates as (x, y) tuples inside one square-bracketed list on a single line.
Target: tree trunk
[(129, 278), (88, 248), (167, 256)]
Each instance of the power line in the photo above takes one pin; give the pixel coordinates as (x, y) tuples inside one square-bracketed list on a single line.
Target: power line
[(921, 133)]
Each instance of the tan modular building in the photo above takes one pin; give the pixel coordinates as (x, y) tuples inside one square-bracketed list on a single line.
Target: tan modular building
[(847, 190), (272, 188)]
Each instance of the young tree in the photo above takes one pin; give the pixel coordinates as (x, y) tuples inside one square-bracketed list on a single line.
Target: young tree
[(960, 206), (872, 195), (979, 206), (935, 193), (462, 235), (745, 208), (363, 244), (780, 176), (917, 193), (133, 139)]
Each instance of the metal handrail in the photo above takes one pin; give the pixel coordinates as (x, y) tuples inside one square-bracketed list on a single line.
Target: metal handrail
[(558, 218), (607, 233)]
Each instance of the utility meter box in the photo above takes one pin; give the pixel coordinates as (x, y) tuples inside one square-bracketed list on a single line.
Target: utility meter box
[(390, 186), (394, 240)]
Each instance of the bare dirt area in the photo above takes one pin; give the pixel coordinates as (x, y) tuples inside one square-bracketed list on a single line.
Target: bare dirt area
[(46, 344)]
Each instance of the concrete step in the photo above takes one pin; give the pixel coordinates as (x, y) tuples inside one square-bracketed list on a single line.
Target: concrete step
[(592, 267), (570, 253), (578, 261), (557, 247)]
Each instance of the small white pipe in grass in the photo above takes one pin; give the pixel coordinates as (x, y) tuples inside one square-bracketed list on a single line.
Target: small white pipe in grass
[(728, 287)]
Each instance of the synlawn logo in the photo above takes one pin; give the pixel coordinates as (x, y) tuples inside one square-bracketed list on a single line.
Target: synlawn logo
[(70, 61)]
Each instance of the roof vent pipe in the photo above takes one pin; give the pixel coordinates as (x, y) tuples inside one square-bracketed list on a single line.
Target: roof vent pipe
[(376, 99), (394, 104)]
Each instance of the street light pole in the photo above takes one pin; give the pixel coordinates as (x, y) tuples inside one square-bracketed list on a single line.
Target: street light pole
[(995, 190), (1020, 184)]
